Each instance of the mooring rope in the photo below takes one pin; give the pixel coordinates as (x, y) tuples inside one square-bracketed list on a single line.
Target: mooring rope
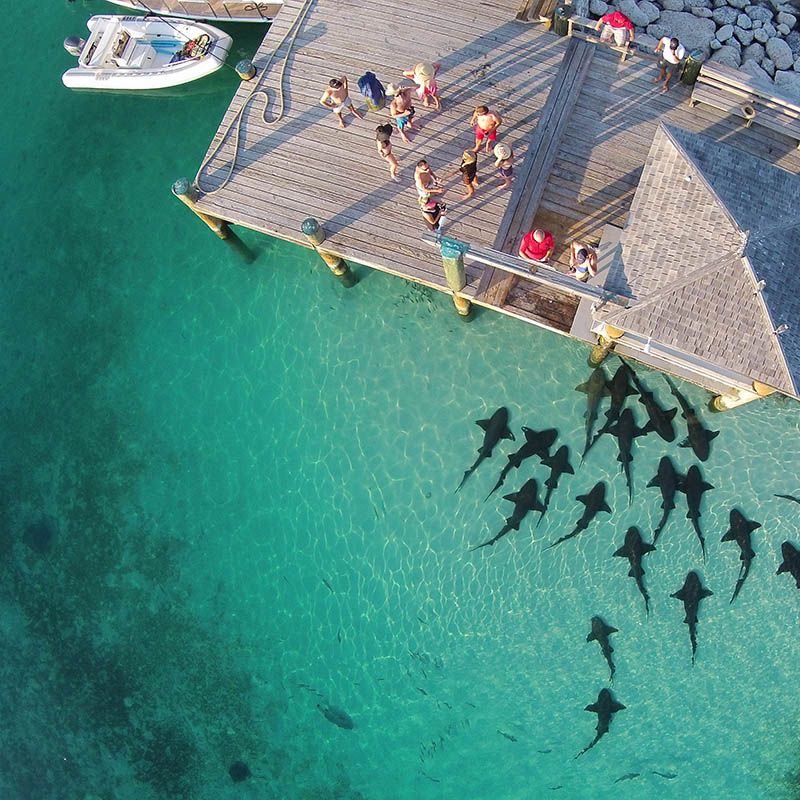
[(236, 122)]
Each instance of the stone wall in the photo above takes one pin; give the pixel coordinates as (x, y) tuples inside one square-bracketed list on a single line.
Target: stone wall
[(760, 38)]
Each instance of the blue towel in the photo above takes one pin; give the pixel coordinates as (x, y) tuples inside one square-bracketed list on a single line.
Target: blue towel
[(372, 89)]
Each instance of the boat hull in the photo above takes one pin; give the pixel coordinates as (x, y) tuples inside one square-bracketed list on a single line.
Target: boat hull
[(133, 53)]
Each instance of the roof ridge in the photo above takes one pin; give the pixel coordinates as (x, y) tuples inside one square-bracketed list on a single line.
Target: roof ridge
[(678, 146)]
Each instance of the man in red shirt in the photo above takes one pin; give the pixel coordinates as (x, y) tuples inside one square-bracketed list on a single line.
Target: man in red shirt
[(615, 24), (537, 245)]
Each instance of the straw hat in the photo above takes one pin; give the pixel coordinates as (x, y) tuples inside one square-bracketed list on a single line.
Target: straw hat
[(501, 153), (424, 70), (391, 89), (469, 157)]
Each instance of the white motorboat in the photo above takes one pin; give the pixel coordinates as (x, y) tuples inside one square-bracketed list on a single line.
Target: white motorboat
[(144, 53), (221, 10)]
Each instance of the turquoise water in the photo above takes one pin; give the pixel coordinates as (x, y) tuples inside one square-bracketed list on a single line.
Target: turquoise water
[(249, 473)]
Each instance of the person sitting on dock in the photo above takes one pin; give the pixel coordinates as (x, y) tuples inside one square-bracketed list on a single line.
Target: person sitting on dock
[(617, 26), (469, 172), (433, 214), (582, 261), (672, 53), (401, 109), (426, 181), (486, 124), (424, 75), (337, 99), (537, 245)]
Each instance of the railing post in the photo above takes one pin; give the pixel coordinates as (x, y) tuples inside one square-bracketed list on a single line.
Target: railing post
[(315, 234), (187, 194), (456, 277)]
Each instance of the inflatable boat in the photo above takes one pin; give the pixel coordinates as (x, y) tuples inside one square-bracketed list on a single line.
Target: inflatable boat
[(144, 53)]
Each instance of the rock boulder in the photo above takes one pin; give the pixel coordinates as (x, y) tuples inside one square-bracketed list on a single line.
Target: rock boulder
[(758, 13), (650, 10), (754, 52), (725, 16), (672, 5), (788, 82), (693, 32), (599, 8), (780, 53), (786, 19), (726, 55), (705, 13), (793, 40), (725, 33), (755, 71), (632, 12), (744, 22), (745, 37), (768, 65)]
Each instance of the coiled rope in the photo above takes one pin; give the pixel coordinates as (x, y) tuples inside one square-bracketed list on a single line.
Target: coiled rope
[(236, 123)]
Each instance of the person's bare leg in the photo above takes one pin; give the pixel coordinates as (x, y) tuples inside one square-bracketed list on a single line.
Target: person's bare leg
[(666, 83), (660, 76), (353, 109), (340, 117), (478, 143), (506, 182), (403, 135)]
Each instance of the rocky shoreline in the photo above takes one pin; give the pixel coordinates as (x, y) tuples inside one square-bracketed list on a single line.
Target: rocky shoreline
[(761, 39)]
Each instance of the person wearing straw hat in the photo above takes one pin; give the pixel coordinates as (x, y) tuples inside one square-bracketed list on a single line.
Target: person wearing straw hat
[(424, 75), (337, 99), (401, 109), (469, 172), (504, 156)]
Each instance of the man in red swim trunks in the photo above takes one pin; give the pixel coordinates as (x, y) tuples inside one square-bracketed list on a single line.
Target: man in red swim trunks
[(615, 24), (537, 245), (486, 124)]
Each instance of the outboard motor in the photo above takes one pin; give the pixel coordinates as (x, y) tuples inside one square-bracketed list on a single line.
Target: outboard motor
[(74, 45)]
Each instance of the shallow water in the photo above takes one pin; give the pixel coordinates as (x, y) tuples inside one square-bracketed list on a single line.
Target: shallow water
[(248, 474)]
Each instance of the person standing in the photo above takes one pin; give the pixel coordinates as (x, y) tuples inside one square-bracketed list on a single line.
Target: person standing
[(486, 124), (424, 75), (582, 261), (469, 172), (672, 53), (426, 181), (537, 245), (504, 156), (401, 109), (383, 135), (337, 98), (617, 26)]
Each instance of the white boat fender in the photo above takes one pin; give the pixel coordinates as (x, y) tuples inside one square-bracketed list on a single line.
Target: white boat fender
[(74, 45)]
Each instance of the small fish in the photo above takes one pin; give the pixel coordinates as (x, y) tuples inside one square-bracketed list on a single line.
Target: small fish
[(555, 788), (337, 717), (544, 751), (507, 735), (788, 497), (629, 777), (328, 585), (339, 635), (668, 775), (467, 702), (423, 621), (422, 691)]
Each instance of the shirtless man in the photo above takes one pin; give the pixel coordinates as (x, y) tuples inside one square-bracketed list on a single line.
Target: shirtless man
[(401, 108), (337, 99), (426, 181), (486, 124)]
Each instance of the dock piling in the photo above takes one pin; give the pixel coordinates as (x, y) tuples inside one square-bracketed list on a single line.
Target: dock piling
[(186, 192), (455, 275), (315, 234), (246, 69), (605, 344)]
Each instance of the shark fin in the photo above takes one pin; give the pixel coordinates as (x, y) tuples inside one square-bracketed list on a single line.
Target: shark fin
[(752, 525), (591, 638), (593, 708), (631, 573), (507, 434), (711, 435), (706, 593), (582, 498), (728, 537), (615, 706), (512, 498), (671, 413), (679, 595), (654, 482), (621, 552), (706, 486), (648, 548), (782, 568), (483, 423), (582, 387), (605, 507), (685, 443)]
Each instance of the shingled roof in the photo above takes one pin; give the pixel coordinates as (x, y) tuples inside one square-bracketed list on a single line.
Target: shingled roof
[(707, 225)]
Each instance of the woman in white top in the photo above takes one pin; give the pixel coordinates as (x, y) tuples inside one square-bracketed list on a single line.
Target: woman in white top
[(672, 53)]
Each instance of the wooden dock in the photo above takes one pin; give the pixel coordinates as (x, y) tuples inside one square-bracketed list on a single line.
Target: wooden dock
[(221, 10), (580, 122)]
